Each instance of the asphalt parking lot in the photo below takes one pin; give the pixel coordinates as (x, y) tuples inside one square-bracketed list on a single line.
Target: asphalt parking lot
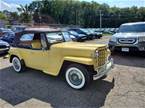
[(124, 87)]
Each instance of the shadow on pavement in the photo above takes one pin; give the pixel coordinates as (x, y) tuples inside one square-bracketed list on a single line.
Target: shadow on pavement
[(135, 59), (16, 88)]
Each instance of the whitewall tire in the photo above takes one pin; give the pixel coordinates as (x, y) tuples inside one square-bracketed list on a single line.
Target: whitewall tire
[(17, 64), (77, 76)]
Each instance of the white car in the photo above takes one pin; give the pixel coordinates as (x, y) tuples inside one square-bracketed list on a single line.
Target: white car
[(129, 37)]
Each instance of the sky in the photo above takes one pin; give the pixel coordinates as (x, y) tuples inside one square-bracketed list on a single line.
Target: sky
[(11, 5)]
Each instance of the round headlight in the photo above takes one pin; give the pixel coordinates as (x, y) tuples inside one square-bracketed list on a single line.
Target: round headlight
[(97, 53)]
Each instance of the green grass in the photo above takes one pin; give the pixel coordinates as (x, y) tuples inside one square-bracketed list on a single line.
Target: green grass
[(107, 34)]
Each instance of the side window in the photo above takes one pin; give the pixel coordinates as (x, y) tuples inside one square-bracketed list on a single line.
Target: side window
[(25, 40), (27, 37)]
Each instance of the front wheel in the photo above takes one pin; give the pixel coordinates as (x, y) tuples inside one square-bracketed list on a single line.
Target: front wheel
[(77, 76)]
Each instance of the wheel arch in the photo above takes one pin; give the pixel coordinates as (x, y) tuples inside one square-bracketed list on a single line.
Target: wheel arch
[(67, 63), (12, 56)]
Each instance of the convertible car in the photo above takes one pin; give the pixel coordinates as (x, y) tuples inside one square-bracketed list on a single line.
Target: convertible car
[(53, 52)]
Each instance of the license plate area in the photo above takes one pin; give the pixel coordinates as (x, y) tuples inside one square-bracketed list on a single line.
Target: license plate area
[(125, 49)]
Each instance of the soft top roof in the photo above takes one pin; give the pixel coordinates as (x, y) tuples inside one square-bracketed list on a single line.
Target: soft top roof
[(42, 29)]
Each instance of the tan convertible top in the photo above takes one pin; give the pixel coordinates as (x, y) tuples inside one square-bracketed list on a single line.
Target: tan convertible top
[(42, 29)]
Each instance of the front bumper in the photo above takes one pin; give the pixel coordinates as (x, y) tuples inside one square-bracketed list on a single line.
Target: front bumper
[(104, 69), (98, 35), (140, 46), (83, 38), (4, 50)]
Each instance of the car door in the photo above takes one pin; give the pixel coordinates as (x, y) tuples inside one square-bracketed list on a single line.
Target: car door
[(37, 59), (39, 56), (34, 57), (47, 59)]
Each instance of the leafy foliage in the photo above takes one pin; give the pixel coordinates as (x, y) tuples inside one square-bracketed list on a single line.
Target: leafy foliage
[(26, 12), (75, 12), (86, 14), (2, 16)]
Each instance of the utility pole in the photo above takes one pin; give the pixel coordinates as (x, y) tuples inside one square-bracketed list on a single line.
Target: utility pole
[(76, 16), (100, 19)]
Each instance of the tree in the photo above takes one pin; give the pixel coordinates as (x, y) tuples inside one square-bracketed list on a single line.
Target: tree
[(14, 16), (83, 13), (25, 13), (2, 16)]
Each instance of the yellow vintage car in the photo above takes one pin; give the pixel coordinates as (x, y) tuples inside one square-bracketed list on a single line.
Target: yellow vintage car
[(53, 52)]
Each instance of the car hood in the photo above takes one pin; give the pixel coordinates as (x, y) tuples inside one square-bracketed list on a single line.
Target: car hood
[(81, 35), (98, 32), (3, 43), (125, 35), (77, 49)]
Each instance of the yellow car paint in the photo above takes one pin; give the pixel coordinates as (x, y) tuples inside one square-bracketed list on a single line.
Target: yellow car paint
[(50, 61)]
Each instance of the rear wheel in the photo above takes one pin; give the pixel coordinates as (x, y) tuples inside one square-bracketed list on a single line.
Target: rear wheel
[(18, 65), (77, 76), (100, 37)]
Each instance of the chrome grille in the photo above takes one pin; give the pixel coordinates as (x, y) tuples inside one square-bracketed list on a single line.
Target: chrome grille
[(127, 40), (102, 57)]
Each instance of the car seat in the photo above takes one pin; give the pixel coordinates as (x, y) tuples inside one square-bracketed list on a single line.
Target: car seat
[(36, 44)]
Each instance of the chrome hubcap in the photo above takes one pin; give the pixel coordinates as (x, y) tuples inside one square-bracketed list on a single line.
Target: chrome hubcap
[(75, 77), (16, 64)]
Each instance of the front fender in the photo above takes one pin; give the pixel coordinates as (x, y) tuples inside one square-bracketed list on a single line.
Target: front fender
[(81, 60), (12, 52)]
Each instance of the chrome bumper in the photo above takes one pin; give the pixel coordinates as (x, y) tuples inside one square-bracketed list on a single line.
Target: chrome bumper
[(139, 45), (4, 50), (107, 67)]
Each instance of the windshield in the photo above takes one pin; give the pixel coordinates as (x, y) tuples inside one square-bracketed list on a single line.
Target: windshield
[(85, 30), (132, 28), (91, 31), (73, 32), (79, 31), (58, 37), (66, 36)]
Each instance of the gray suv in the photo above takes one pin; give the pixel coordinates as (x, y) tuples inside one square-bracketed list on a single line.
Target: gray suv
[(129, 37)]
